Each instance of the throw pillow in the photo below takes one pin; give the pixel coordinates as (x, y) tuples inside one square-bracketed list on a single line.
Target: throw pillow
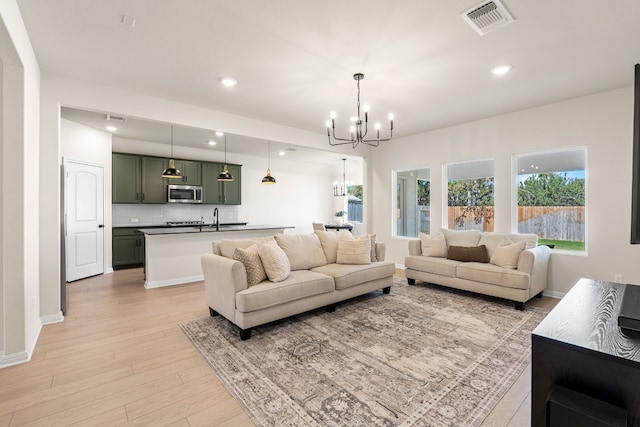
[(275, 262), (251, 260), (329, 242), (461, 237), (374, 257), (468, 253), (228, 246), (303, 250), (507, 253), (353, 250), (433, 246)]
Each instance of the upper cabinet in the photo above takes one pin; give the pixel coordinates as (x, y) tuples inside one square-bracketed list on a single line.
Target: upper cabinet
[(126, 178), (138, 179), (154, 186), (191, 172), (221, 193)]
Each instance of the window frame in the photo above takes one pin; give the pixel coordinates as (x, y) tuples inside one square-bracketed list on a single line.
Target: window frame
[(394, 201)]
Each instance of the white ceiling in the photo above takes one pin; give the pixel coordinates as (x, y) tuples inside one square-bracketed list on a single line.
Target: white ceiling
[(294, 60)]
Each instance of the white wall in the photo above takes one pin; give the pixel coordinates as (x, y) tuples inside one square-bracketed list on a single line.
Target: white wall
[(601, 122), (19, 317), (87, 145)]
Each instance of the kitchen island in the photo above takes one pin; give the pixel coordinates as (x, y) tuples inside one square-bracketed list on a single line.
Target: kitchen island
[(172, 255)]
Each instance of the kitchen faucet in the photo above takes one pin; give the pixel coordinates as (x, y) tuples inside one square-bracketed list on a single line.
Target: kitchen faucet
[(216, 216)]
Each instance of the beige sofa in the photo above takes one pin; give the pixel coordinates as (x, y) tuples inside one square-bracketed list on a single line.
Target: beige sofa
[(515, 267), (325, 267)]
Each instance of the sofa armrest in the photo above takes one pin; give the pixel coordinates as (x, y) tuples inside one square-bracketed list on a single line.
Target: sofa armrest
[(381, 250), (535, 261), (415, 247), (223, 278)]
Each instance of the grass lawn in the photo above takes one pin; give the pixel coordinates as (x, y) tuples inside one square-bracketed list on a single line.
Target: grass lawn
[(565, 245)]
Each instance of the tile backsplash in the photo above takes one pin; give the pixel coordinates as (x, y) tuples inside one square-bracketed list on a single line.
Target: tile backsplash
[(151, 214)]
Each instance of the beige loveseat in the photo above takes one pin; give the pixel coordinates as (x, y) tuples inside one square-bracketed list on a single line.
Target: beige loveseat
[(317, 270), (514, 267)]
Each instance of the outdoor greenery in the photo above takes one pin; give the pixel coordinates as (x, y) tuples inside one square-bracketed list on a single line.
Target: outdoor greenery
[(563, 244), (474, 195), (551, 189), (424, 192)]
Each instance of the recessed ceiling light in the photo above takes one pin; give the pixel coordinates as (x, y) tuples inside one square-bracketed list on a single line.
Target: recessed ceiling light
[(282, 153), (229, 82), (111, 128), (218, 133), (212, 142), (501, 69)]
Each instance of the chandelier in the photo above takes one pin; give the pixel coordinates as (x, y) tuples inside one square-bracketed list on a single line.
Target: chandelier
[(359, 129)]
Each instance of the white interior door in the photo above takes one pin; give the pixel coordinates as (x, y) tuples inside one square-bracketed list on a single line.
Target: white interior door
[(84, 219)]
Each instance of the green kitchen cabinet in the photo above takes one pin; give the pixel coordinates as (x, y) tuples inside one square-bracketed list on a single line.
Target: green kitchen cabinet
[(154, 186), (127, 248), (221, 193), (126, 186), (191, 172)]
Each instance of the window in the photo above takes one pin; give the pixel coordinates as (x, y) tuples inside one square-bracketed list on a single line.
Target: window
[(470, 195), (551, 197), (413, 201)]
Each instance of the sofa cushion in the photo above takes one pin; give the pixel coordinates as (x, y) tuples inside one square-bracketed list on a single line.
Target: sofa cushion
[(329, 241), (348, 275), (352, 250), (493, 274), (491, 241), (441, 266), (275, 262), (228, 246), (433, 246), (461, 237), (252, 264), (303, 250), (468, 253), (300, 284), (531, 239), (507, 253)]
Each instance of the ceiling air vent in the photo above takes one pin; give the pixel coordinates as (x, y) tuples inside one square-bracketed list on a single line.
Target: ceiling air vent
[(115, 118), (487, 17)]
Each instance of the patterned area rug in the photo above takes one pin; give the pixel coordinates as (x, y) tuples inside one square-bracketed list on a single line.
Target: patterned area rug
[(422, 355)]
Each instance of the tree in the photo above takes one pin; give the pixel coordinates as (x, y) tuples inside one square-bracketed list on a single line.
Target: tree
[(424, 192), (474, 196), (551, 189)]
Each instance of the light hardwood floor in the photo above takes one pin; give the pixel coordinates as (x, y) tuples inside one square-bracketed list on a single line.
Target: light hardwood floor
[(119, 359)]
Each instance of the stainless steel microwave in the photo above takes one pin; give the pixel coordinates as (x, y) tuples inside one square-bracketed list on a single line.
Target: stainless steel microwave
[(184, 193)]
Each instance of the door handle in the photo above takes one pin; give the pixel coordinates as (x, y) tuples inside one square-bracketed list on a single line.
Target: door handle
[(100, 225)]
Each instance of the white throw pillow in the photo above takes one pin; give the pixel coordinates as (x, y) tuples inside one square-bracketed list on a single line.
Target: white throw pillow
[(228, 246), (303, 250), (435, 246), (252, 264), (329, 241), (507, 253), (353, 250), (275, 262), (461, 237)]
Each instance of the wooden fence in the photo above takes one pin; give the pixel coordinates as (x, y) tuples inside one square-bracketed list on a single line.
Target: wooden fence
[(548, 222)]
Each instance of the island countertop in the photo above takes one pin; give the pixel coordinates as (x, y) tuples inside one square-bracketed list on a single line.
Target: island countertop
[(205, 228), (172, 254)]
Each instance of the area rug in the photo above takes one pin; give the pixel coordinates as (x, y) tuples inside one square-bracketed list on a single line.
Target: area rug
[(422, 355)]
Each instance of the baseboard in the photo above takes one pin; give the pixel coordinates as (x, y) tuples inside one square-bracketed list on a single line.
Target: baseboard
[(54, 318), (173, 282), (14, 359), (554, 294)]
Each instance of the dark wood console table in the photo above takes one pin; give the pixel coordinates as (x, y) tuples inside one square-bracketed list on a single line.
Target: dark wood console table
[(578, 349)]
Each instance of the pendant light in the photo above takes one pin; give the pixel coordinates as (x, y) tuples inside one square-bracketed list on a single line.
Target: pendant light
[(225, 176), (268, 179), (171, 171)]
